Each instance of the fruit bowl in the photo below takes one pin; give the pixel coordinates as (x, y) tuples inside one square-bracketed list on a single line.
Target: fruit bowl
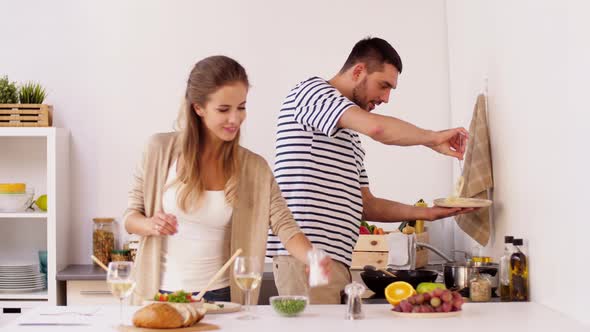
[(288, 306), (15, 202)]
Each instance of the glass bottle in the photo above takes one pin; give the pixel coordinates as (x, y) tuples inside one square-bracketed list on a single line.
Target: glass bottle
[(480, 288), (103, 238), (519, 273), (505, 269)]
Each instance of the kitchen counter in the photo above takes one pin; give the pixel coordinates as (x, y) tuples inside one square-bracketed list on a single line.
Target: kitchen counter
[(94, 272), (481, 317)]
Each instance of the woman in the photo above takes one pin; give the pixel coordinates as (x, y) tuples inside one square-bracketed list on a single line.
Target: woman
[(198, 195)]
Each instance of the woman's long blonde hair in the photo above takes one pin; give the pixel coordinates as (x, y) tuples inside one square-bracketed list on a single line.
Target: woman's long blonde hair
[(207, 76)]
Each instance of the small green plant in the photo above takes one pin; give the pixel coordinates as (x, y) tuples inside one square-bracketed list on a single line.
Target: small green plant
[(8, 91), (31, 93)]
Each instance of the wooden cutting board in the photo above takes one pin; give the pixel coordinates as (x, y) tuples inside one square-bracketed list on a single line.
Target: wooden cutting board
[(194, 328)]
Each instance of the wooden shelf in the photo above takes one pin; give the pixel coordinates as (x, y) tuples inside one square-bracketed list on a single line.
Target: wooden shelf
[(6, 215)]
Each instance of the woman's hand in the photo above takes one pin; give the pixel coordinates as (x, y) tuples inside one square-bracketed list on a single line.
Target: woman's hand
[(163, 224)]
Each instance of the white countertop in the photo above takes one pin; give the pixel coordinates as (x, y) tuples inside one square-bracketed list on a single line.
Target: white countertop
[(330, 318)]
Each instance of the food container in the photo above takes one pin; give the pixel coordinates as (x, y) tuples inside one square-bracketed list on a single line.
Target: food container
[(132, 246), (288, 306), (120, 256), (458, 275), (103, 238), (16, 202), (480, 288)]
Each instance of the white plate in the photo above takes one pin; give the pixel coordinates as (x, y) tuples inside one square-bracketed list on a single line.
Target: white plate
[(227, 307), (17, 281), (19, 268), (6, 276), (22, 290), (19, 274), (462, 202), (427, 314), (22, 282)]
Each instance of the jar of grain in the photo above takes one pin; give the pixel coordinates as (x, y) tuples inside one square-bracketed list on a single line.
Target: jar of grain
[(120, 256), (103, 238), (480, 288)]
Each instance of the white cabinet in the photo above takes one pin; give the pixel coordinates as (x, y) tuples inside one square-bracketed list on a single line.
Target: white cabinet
[(89, 292), (40, 158)]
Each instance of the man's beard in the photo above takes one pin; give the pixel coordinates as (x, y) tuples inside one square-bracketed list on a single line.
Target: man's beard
[(359, 95)]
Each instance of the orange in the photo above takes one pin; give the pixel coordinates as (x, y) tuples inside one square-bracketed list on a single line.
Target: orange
[(398, 291)]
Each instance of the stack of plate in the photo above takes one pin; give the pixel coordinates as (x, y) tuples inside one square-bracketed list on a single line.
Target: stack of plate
[(21, 278)]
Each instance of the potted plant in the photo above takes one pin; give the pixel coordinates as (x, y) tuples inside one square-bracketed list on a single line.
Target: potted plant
[(23, 106)]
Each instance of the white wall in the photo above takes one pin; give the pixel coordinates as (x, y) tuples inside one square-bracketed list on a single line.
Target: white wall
[(535, 54), (116, 70)]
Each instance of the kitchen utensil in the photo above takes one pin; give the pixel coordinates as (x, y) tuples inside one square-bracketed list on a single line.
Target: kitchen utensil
[(218, 274), (458, 275), (372, 268), (354, 308), (99, 263), (377, 280)]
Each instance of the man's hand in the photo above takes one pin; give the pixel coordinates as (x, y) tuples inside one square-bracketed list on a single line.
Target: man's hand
[(326, 265), (436, 212), (450, 142)]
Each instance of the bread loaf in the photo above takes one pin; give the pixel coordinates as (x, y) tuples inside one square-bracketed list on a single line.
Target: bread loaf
[(167, 316)]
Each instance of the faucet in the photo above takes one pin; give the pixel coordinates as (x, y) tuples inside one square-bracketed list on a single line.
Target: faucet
[(434, 250), (467, 255)]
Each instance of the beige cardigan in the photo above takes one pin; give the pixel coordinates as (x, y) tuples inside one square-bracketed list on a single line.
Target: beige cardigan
[(260, 205)]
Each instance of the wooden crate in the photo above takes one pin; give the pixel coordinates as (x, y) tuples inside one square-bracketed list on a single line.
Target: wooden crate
[(26, 115), (373, 250)]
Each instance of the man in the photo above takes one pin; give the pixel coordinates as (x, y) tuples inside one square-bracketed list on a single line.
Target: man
[(319, 163)]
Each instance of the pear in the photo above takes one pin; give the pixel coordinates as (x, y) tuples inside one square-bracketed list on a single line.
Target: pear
[(41, 202)]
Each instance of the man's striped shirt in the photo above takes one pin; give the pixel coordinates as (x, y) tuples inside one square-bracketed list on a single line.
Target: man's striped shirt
[(319, 169)]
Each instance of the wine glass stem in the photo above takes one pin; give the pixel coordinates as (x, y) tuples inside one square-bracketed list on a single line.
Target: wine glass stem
[(248, 311), (121, 311)]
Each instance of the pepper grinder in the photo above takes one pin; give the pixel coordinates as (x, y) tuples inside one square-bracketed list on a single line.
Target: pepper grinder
[(354, 291)]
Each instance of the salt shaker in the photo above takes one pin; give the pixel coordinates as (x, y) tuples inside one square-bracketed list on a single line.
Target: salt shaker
[(354, 291), (317, 277)]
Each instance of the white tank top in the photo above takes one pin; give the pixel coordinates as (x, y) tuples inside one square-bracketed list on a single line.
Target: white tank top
[(201, 246)]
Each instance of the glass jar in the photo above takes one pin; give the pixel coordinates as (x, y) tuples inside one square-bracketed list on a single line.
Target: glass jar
[(120, 256), (103, 238), (480, 288), (132, 246)]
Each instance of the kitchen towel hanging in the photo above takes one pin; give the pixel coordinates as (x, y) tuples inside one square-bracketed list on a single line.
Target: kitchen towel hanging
[(477, 173)]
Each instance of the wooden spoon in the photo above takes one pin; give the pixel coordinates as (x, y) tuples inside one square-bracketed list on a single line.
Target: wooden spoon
[(217, 275)]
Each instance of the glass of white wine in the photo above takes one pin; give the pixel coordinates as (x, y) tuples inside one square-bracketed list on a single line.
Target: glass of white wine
[(121, 282), (248, 273)]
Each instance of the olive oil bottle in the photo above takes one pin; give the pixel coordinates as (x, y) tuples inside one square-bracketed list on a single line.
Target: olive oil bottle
[(505, 269), (519, 273)]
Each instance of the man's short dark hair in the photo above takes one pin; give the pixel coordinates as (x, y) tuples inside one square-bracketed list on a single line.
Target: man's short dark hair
[(374, 53)]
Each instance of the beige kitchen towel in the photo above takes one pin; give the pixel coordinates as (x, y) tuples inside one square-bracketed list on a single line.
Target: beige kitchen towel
[(477, 173)]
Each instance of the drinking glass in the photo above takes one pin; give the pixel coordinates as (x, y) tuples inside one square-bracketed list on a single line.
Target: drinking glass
[(248, 273), (121, 282)]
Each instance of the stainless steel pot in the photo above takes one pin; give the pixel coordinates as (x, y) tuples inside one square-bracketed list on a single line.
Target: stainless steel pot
[(457, 275)]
